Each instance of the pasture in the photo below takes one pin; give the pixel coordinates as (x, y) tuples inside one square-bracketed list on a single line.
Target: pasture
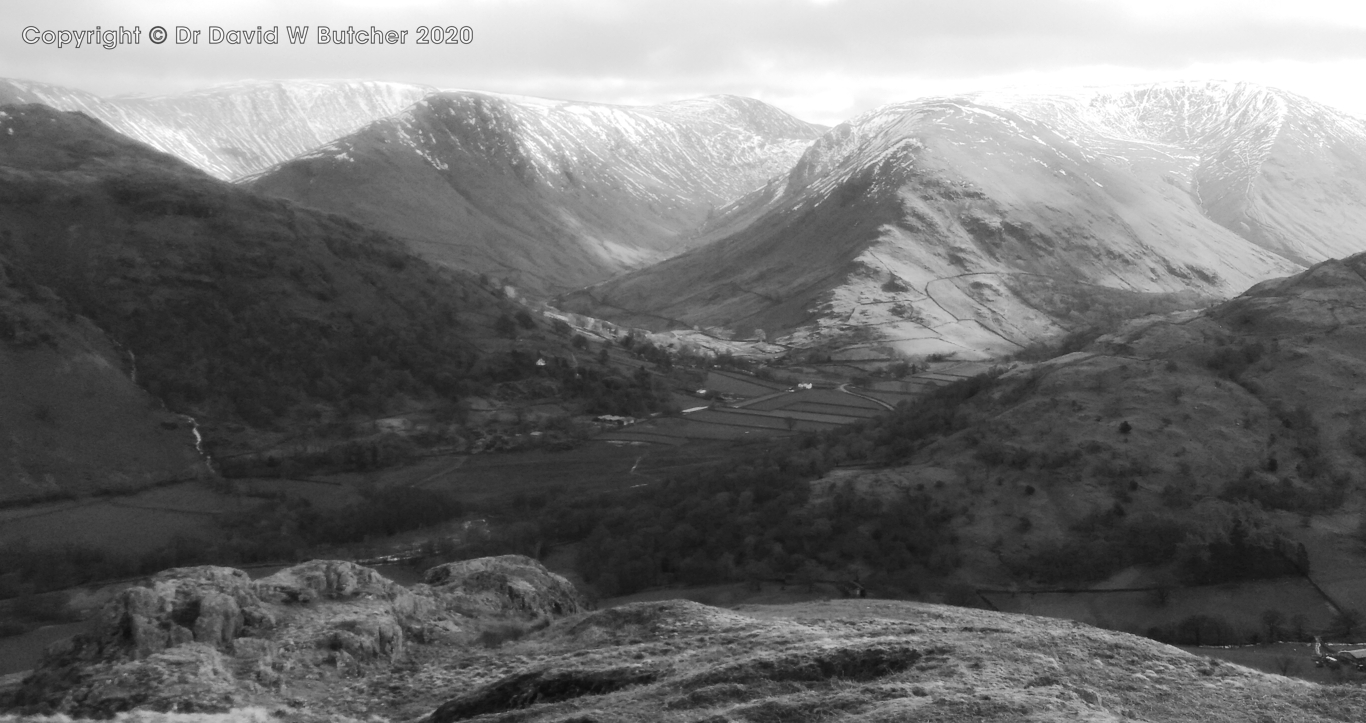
[(1295, 660), (1239, 606)]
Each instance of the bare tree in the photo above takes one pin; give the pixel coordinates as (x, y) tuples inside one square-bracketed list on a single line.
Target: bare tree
[(1299, 623), (1347, 622), (1273, 620)]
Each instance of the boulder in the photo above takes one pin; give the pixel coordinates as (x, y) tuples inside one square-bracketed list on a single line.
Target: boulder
[(338, 580), (505, 586), (326, 580), (366, 639)]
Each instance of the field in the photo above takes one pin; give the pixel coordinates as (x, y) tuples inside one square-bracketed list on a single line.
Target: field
[(1239, 604), (758, 409), (629, 456), (741, 385), (1292, 659), (134, 524)]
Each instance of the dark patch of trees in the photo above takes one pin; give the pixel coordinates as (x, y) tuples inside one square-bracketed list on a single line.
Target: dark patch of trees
[(1231, 361), (1104, 543), (240, 307)]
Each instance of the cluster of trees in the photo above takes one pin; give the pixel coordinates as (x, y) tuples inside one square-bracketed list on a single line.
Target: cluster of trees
[(757, 523), (1276, 626), (1231, 361), (266, 362), (287, 528), (322, 454), (648, 351), (1208, 545), (1306, 497), (600, 388)]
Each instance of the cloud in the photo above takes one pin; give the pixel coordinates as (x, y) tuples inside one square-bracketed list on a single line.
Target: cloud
[(823, 58)]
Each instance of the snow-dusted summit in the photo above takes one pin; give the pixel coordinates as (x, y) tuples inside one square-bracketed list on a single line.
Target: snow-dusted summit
[(1266, 164), (978, 224), (233, 130)]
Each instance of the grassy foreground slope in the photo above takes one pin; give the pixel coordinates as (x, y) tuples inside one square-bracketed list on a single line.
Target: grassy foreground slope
[(481, 649), (850, 660)]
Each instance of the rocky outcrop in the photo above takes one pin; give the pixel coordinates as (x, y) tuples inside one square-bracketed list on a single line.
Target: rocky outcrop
[(844, 660), (510, 585), (209, 605), (210, 638)]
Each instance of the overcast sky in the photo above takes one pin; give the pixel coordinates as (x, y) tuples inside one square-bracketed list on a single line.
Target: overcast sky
[(822, 60)]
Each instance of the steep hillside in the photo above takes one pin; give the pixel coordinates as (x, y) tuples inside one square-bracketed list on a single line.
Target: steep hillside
[(71, 419), (549, 195), (233, 130), (243, 311), (976, 225)]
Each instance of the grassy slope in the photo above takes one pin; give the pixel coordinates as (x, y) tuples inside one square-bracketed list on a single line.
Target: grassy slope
[(861, 660), (71, 421)]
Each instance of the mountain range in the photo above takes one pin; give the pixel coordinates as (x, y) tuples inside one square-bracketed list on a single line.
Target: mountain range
[(548, 195), (978, 224), (237, 129), (971, 225)]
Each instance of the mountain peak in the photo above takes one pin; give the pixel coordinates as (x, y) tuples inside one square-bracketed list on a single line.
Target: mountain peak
[(548, 194)]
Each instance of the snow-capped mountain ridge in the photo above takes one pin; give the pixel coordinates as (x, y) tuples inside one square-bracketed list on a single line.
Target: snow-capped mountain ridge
[(564, 192), (928, 218), (236, 129), (1217, 136), (711, 149)]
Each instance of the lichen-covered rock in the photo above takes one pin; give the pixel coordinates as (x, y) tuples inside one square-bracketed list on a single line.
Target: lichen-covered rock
[(338, 580), (211, 605), (193, 677), (326, 580), (366, 639), (509, 585), (257, 659)]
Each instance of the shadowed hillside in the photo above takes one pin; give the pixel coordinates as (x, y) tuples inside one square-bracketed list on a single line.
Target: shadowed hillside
[(245, 312)]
